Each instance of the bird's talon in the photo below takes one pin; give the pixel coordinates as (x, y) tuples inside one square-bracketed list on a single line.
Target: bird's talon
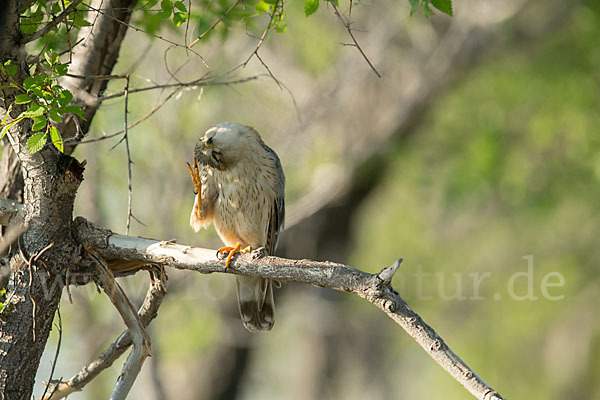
[(195, 174), (231, 251)]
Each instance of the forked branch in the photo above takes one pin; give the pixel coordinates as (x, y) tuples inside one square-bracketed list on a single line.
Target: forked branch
[(147, 313), (126, 254)]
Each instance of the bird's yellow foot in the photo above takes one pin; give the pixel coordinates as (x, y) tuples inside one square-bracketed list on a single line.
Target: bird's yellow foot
[(195, 176), (232, 251)]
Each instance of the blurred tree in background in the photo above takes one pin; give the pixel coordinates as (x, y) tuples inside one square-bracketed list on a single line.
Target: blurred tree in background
[(476, 158)]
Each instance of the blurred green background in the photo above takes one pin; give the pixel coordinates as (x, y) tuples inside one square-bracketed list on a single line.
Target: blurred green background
[(475, 157)]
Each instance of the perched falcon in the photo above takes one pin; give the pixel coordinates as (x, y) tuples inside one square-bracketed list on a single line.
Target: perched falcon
[(240, 188)]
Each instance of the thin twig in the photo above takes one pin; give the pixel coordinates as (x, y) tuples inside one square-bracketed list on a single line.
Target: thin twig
[(52, 24), (269, 70), (96, 77), (146, 32), (31, 262), (129, 162), (210, 28), (347, 26), (67, 279), (197, 82), (263, 36), (187, 24), (136, 123), (55, 357), (68, 34)]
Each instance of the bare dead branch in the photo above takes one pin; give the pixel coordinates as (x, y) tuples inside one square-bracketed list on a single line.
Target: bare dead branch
[(52, 24), (121, 250), (147, 313), (49, 383), (140, 340)]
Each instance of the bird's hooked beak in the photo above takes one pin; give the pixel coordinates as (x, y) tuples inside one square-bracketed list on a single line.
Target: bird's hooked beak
[(208, 142)]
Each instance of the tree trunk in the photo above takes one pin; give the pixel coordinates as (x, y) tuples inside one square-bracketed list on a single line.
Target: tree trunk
[(48, 182)]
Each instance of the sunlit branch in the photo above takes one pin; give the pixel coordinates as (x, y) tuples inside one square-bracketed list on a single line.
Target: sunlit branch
[(126, 254)]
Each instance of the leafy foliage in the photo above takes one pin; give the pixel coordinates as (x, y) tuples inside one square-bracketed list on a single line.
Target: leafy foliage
[(46, 98), (3, 306), (47, 101), (310, 6), (444, 6)]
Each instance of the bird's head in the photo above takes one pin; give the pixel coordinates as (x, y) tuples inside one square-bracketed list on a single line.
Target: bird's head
[(222, 146)]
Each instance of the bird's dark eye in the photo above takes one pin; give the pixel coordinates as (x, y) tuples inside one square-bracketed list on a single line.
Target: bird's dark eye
[(210, 141)]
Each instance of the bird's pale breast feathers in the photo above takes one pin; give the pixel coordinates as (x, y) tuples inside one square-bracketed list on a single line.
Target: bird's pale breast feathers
[(243, 186)]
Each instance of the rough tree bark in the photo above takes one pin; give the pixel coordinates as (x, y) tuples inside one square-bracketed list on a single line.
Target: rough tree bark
[(49, 184)]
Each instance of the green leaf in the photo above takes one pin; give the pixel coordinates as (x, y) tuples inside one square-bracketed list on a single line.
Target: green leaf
[(64, 97), (310, 6), (167, 9), (11, 69), (262, 7), (36, 142), (22, 99), (180, 6), (79, 21), (53, 113), (56, 138), (73, 109), (414, 6), (28, 83), (39, 122), (444, 6), (179, 18), (51, 58), (34, 110), (281, 28), (7, 126), (7, 114), (61, 69)]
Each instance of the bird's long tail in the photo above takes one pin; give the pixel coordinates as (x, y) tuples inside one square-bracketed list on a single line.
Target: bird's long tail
[(255, 300)]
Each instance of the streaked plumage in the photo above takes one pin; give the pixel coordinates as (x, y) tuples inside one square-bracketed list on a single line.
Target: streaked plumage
[(242, 193)]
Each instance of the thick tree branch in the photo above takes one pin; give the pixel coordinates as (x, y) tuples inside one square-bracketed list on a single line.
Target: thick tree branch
[(140, 340), (147, 312), (126, 254)]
